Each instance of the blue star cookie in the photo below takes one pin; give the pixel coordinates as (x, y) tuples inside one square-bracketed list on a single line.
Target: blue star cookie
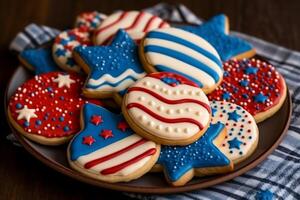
[(197, 158), (215, 31), (39, 60), (108, 150), (111, 69)]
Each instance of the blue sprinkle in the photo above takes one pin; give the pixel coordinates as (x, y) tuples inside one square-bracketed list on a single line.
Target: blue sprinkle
[(50, 89), (61, 119), (38, 122), (19, 106), (26, 124), (66, 128)]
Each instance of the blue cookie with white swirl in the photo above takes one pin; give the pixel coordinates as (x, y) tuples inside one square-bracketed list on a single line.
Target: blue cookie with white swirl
[(179, 51)]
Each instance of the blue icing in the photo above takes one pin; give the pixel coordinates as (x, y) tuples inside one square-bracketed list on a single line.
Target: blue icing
[(111, 84), (234, 116), (264, 195), (177, 160), (214, 31), (166, 36), (40, 59), (184, 58), (251, 70), (226, 95), (114, 60), (60, 52), (18, 106), (260, 98), (38, 122), (26, 124), (170, 81), (234, 143), (110, 122)]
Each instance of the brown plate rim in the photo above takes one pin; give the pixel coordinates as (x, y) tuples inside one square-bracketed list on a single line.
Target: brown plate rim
[(142, 189)]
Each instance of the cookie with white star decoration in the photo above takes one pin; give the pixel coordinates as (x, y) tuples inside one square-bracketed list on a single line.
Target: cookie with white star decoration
[(107, 149), (179, 51), (167, 108), (242, 131), (216, 32), (201, 158), (38, 60), (253, 84), (112, 69), (46, 108), (64, 44)]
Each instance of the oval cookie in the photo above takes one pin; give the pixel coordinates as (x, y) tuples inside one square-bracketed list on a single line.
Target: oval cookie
[(46, 108), (182, 52), (64, 44), (135, 23), (253, 84), (242, 131), (108, 150), (167, 108)]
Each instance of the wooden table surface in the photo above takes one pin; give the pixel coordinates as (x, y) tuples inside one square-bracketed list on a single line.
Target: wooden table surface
[(24, 177)]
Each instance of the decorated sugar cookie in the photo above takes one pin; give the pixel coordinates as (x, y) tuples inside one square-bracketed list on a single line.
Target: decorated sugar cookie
[(108, 150), (179, 51), (135, 23), (216, 32), (64, 44), (112, 69), (253, 84), (167, 108), (242, 132), (38, 60), (46, 108), (89, 19), (203, 157)]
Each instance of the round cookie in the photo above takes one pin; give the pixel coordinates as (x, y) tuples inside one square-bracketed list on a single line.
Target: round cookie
[(179, 51), (89, 19), (135, 23), (167, 108), (203, 157), (46, 108), (107, 149), (64, 44), (253, 84), (242, 131)]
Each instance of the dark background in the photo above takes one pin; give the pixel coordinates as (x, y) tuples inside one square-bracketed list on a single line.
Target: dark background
[(24, 177)]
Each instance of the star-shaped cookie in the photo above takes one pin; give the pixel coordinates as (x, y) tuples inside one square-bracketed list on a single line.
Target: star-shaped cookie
[(106, 152), (216, 32), (111, 68), (38, 60), (181, 163)]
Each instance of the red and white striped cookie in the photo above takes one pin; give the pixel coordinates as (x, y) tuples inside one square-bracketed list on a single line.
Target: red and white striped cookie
[(167, 108), (134, 22)]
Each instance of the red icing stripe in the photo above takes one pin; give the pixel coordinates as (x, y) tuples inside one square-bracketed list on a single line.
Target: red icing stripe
[(122, 16), (168, 101), (136, 21), (162, 24), (149, 23), (156, 116), (121, 166), (181, 79), (97, 161)]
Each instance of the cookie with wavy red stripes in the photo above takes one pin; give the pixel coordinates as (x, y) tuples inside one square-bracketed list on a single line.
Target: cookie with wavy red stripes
[(91, 20), (107, 149), (136, 24), (46, 108), (167, 108), (252, 84)]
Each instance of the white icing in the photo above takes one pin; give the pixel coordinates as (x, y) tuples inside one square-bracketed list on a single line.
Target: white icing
[(26, 113), (82, 160), (63, 80), (189, 110), (135, 32), (247, 126)]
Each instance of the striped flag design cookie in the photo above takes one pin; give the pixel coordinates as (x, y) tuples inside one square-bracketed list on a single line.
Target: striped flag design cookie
[(135, 23), (167, 108), (182, 52), (108, 150)]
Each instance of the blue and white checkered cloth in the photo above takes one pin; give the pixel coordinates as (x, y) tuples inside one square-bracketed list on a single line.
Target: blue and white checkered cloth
[(278, 177)]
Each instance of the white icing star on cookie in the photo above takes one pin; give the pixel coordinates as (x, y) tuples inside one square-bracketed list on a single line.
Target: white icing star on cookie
[(64, 80), (26, 113)]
